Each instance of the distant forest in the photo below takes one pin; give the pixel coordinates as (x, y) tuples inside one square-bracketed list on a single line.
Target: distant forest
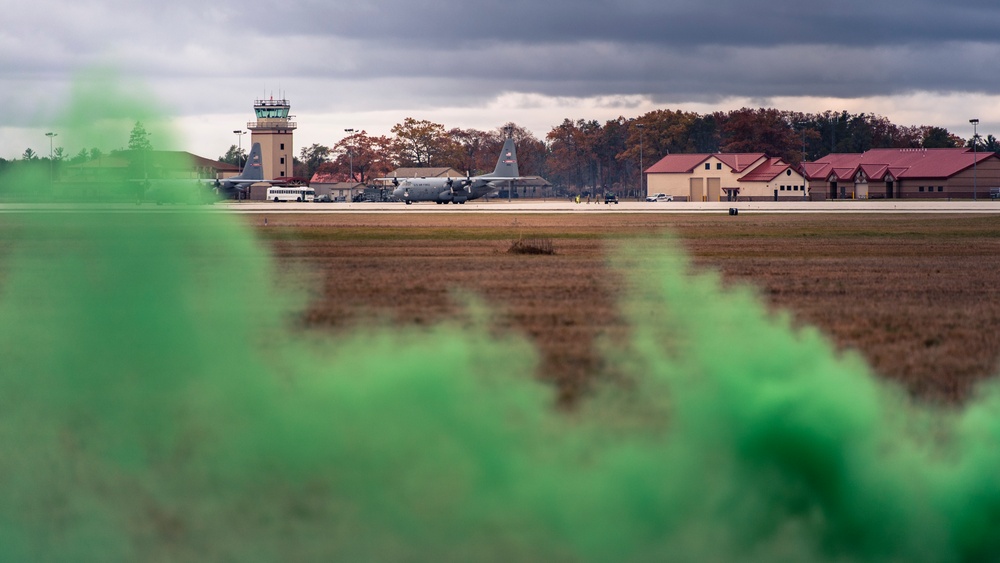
[(587, 153)]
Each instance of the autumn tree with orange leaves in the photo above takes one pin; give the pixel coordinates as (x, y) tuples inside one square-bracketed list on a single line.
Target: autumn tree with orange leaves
[(364, 156)]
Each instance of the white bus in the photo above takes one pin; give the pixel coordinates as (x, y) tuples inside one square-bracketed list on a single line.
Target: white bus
[(302, 193)]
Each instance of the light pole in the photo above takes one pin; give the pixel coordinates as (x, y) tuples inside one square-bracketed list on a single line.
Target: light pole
[(642, 191), (239, 143), (975, 157), (802, 165), (802, 126), (350, 152), (50, 135)]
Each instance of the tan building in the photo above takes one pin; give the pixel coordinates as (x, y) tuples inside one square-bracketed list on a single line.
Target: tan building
[(772, 180), (702, 177), (273, 130), (151, 165), (335, 186)]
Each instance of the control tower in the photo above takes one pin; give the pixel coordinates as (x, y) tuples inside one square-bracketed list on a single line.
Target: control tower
[(273, 131)]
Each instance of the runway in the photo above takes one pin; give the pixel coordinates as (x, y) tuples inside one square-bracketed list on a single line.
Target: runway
[(535, 206), (562, 206)]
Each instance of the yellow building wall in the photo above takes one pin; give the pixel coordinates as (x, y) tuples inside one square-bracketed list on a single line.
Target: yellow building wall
[(696, 189), (765, 190), (276, 152), (670, 184)]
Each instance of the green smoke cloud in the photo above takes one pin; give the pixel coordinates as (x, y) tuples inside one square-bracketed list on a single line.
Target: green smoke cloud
[(158, 403)]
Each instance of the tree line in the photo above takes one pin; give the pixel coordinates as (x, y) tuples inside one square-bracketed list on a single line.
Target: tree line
[(586, 155), (583, 155), (139, 140)]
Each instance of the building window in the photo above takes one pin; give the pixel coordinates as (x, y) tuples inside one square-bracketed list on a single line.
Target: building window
[(282, 146), (920, 189), (718, 166), (708, 166), (283, 161), (940, 188)]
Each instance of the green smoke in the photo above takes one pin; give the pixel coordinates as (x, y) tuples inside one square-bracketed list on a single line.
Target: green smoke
[(159, 403)]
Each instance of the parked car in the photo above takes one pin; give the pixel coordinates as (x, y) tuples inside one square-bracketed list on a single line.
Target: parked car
[(659, 197), (610, 198)]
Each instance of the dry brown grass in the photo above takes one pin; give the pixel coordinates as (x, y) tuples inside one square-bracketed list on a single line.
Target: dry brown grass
[(912, 293), (532, 246)]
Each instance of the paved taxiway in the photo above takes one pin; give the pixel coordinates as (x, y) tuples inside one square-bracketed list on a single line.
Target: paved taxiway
[(562, 206), (538, 206)]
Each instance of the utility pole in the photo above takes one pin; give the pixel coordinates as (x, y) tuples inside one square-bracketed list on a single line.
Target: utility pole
[(239, 144), (642, 175), (50, 135), (975, 156), (350, 152)]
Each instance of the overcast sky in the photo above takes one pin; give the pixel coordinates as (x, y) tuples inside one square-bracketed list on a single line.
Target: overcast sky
[(478, 65)]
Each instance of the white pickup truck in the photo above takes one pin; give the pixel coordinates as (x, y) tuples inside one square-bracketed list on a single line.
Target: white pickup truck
[(659, 197)]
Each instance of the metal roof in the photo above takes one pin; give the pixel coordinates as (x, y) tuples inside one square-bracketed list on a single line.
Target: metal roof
[(767, 171), (899, 163), (686, 163)]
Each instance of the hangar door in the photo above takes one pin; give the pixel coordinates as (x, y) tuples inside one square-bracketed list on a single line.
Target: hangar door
[(697, 189), (714, 189)]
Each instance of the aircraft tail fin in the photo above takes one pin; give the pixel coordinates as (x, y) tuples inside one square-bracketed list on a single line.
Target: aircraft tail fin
[(253, 169), (507, 163)]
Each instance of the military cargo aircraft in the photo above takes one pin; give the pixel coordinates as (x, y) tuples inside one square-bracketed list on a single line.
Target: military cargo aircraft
[(459, 190), (253, 172)]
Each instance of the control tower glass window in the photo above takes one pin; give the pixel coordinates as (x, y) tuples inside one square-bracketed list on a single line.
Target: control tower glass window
[(271, 113)]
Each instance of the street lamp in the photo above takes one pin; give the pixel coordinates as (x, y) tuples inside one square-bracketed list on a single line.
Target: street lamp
[(350, 153), (975, 157), (802, 125), (239, 143), (50, 135), (642, 191)]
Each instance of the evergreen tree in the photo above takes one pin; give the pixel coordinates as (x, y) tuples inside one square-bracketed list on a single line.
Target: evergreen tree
[(138, 140)]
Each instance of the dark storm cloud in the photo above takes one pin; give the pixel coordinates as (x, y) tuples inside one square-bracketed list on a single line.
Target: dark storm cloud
[(665, 23), (389, 55), (686, 49)]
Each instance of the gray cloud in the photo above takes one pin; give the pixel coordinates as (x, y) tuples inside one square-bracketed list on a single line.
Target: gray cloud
[(680, 47), (671, 23), (687, 49), (422, 53)]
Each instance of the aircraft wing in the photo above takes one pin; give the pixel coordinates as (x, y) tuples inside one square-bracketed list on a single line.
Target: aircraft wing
[(496, 179)]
